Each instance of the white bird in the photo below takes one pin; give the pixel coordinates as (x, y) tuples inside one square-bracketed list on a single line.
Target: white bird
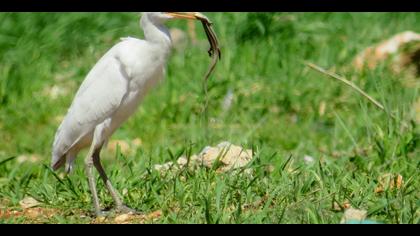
[(109, 95)]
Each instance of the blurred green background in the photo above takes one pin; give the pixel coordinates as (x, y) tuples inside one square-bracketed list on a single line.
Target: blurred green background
[(261, 96)]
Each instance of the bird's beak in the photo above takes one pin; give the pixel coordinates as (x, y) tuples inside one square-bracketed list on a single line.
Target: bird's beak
[(185, 15)]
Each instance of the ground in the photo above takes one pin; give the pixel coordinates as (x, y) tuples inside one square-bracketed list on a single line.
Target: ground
[(319, 148)]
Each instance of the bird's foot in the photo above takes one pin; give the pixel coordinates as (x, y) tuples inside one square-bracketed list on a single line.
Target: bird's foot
[(123, 209)]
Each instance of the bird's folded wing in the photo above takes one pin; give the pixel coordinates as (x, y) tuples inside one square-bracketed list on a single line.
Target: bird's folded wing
[(97, 99), (104, 95)]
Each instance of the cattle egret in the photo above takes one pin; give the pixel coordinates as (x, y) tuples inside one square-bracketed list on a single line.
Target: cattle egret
[(110, 94)]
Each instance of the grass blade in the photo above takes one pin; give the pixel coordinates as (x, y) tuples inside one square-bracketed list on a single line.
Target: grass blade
[(7, 160)]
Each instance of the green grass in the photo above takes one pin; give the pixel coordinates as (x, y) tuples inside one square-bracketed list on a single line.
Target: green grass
[(275, 111)]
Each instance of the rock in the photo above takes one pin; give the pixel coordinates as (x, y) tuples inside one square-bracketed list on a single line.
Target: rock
[(124, 218), (182, 161), (353, 214), (230, 157), (29, 202), (164, 167)]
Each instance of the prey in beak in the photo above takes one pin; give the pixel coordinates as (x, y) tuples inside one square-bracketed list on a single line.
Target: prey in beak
[(207, 24), (214, 50)]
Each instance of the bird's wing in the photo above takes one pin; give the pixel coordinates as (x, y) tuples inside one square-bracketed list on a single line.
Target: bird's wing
[(97, 99), (126, 49)]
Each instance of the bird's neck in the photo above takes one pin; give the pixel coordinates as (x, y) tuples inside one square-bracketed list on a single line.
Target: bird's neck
[(156, 34)]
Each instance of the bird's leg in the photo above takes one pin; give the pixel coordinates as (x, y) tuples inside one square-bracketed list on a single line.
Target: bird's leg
[(92, 182), (120, 207)]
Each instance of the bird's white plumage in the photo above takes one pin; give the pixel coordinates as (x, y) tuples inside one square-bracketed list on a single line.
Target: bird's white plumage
[(112, 90)]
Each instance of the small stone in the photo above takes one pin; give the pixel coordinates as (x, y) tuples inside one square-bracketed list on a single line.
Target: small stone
[(182, 161), (122, 218), (230, 157), (29, 202), (353, 214)]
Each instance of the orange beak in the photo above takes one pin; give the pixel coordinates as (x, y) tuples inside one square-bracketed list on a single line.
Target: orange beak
[(185, 15)]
